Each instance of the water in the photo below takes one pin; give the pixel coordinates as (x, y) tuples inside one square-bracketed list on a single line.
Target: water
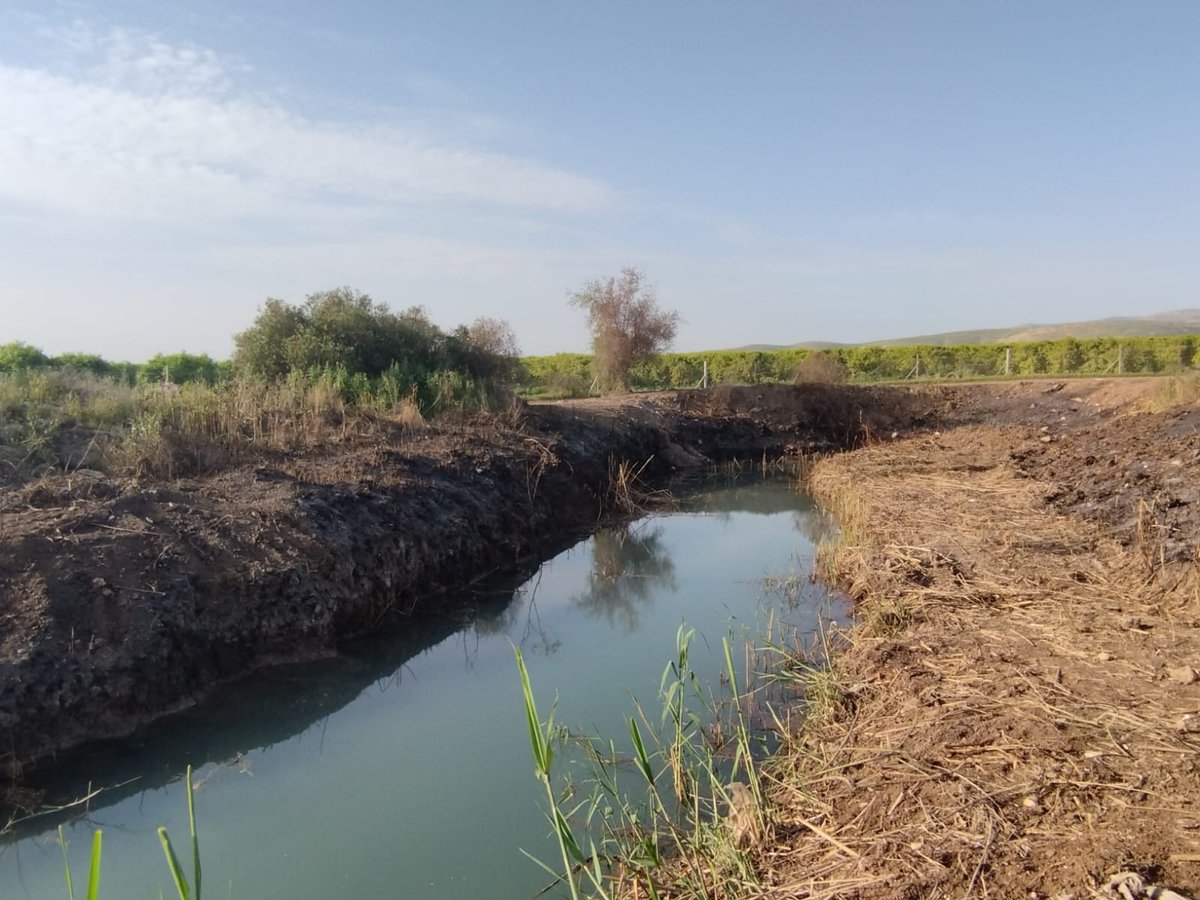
[(402, 767)]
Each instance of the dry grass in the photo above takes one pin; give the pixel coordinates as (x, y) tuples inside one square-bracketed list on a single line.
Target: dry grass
[(1008, 724), (1175, 391), (64, 421)]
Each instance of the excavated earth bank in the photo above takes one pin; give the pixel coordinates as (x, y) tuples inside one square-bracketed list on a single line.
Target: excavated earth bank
[(122, 600)]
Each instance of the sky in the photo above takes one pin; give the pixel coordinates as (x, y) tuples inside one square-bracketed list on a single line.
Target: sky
[(781, 171)]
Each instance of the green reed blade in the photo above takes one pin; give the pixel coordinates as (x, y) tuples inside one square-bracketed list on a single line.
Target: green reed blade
[(177, 876), (62, 843), (192, 830), (643, 760), (93, 886), (542, 753)]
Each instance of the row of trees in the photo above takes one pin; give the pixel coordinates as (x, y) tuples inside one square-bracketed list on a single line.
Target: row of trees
[(571, 373), (340, 337)]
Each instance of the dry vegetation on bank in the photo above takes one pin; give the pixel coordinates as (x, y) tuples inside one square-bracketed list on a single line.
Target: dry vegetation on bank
[(1016, 710)]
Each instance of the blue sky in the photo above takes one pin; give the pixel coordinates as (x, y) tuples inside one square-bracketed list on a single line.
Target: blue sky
[(782, 171)]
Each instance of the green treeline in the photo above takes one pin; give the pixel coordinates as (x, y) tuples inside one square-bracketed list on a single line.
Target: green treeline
[(361, 348), (569, 374), (178, 368)]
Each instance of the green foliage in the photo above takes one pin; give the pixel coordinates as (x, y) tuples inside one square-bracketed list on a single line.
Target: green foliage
[(93, 884), (20, 357), (179, 368), (178, 878), (372, 356)]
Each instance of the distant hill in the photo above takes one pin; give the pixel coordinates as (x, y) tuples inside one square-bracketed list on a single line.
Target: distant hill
[(1180, 321)]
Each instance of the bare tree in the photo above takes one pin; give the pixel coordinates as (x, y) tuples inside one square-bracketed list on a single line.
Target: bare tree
[(626, 324), (820, 367)]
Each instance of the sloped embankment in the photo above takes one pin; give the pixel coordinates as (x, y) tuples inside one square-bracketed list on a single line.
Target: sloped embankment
[(1020, 704)]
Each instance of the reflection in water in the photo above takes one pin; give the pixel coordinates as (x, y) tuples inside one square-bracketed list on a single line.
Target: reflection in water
[(518, 613), (630, 566), (817, 526)]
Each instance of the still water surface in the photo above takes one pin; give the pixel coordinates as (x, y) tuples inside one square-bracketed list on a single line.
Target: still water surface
[(401, 768)]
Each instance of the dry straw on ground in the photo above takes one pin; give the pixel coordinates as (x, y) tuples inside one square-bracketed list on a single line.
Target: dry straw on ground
[(1009, 724)]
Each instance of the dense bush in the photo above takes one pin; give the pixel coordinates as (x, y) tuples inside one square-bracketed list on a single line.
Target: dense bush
[(19, 357), (364, 349)]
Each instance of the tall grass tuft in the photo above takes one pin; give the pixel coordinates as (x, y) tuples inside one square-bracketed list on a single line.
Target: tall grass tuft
[(541, 743), (185, 890)]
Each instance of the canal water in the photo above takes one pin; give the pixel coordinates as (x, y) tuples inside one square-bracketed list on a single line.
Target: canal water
[(401, 768)]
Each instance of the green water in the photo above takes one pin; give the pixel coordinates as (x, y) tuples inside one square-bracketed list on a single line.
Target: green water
[(401, 768)]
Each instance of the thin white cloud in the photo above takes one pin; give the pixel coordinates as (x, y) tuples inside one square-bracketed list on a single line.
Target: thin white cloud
[(128, 126)]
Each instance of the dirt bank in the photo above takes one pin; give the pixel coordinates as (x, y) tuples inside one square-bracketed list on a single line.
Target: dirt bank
[(122, 599), (1018, 710)]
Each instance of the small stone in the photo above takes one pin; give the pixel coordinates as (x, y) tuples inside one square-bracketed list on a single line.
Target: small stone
[(1046, 439), (99, 583), (1189, 724), (1031, 804), (1183, 675), (1105, 656)]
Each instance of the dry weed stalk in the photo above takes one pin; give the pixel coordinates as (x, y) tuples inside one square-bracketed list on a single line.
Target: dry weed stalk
[(628, 494)]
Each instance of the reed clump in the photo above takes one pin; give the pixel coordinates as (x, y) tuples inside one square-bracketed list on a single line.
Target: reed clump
[(680, 815)]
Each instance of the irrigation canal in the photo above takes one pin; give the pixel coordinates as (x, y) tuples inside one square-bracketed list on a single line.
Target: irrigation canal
[(401, 767)]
